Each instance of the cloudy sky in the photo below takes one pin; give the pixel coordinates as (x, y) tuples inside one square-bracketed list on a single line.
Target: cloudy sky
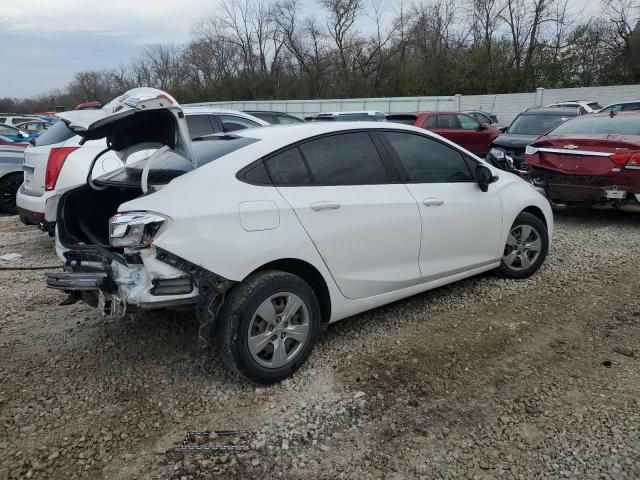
[(44, 42)]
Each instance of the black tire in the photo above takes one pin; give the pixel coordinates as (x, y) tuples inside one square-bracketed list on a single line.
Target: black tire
[(516, 269), (9, 186), (236, 316)]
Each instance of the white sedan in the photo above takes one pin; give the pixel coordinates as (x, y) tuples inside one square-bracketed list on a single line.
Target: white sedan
[(272, 233)]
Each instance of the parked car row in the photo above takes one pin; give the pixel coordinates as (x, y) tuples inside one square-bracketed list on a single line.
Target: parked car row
[(576, 152), (269, 232)]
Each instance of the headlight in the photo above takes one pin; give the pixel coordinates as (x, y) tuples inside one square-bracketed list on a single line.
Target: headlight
[(530, 150), (497, 153), (134, 229)]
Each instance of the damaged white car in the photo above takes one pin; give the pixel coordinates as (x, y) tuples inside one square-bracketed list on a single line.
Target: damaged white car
[(270, 234)]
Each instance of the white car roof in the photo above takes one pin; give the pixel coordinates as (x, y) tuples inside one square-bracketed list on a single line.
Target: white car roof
[(278, 136)]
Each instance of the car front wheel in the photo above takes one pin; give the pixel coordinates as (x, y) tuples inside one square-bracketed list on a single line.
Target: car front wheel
[(526, 248), (268, 326)]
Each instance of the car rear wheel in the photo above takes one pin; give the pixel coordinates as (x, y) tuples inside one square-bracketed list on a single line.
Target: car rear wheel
[(268, 326), (9, 186), (526, 248)]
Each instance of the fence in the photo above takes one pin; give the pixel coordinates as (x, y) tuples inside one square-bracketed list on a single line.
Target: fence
[(505, 106)]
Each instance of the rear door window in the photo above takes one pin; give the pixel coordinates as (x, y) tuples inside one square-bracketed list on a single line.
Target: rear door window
[(426, 160), (448, 121), (431, 122), (468, 123), (57, 133), (345, 159), (199, 125)]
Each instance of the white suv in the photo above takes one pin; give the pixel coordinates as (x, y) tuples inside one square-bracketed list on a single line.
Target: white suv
[(585, 106), (59, 160)]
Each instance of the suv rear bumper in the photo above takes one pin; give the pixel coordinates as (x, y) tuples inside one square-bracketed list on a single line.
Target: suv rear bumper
[(37, 210)]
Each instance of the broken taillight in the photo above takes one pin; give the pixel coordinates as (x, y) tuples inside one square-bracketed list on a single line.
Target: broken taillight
[(625, 158), (57, 157)]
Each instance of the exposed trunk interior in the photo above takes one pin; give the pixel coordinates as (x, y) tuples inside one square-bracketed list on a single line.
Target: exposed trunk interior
[(83, 214)]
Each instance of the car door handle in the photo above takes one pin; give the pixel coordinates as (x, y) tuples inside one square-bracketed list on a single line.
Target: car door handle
[(318, 206), (432, 202)]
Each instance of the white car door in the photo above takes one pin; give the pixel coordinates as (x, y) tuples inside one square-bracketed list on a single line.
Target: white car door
[(366, 229), (461, 224)]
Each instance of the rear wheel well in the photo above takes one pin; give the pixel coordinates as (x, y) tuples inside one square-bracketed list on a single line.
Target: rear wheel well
[(309, 274), (536, 212)]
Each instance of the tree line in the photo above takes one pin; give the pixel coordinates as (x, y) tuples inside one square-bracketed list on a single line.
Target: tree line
[(271, 49)]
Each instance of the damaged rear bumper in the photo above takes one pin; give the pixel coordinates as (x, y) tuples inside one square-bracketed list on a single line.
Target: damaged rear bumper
[(619, 192), (146, 279)]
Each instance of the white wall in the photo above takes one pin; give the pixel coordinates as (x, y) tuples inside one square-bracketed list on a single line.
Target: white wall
[(505, 106)]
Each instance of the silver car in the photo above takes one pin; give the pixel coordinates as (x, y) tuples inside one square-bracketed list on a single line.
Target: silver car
[(11, 159)]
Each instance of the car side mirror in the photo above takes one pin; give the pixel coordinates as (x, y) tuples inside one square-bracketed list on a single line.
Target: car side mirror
[(483, 126), (484, 177)]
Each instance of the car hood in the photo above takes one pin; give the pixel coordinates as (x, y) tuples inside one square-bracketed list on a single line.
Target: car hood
[(139, 116), (514, 141)]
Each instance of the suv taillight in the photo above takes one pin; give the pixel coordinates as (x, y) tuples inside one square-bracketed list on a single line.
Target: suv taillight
[(57, 156)]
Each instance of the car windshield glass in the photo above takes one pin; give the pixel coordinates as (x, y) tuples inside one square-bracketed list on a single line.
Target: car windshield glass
[(55, 134), (601, 125), (535, 124), (595, 105)]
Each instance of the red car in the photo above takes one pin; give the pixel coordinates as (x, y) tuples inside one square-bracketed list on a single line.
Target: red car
[(458, 127), (590, 160)]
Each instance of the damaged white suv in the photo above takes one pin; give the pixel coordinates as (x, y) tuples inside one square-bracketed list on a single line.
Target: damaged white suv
[(272, 233)]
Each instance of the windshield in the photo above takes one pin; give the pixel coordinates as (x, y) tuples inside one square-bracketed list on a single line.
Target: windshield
[(601, 125), (535, 124), (595, 105)]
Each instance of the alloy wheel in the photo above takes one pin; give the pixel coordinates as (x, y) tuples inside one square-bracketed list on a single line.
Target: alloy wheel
[(523, 248), (278, 330)]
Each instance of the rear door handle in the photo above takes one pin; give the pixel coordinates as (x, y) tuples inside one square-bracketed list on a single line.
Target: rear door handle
[(318, 206), (432, 202)]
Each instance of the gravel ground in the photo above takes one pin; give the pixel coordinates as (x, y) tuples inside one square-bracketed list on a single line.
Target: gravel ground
[(482, 379)]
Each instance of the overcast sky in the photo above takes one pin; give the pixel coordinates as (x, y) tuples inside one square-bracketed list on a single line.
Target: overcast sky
[(44, 42)]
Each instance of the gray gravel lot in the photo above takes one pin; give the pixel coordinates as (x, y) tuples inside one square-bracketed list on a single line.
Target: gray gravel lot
[(483, 379)]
